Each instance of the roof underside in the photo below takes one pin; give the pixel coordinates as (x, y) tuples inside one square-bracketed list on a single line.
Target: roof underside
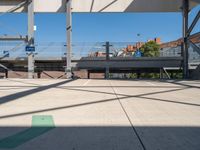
[(56, 6)]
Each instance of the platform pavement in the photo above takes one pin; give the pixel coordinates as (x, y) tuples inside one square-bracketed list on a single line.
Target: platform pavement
[(100, 114)]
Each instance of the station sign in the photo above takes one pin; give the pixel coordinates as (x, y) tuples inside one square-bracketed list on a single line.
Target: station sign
[(138, 53), (30, 48)]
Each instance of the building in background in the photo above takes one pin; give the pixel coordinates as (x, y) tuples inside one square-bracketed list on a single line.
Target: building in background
[(124, 51), (173, 48), (157, 40)]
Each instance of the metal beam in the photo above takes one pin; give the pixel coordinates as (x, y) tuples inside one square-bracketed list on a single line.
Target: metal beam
[(107, 45), (30, 38), (195, 47), (193, 35), (13, 38), (13, 9), (185, 37), (58, 6), (196, 19), (107, 72), (107, 50), (68, 68)]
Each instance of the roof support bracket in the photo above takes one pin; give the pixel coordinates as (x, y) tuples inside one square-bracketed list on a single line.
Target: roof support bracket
[(16, 7), (13, 38), (195, 47), (196, 19)]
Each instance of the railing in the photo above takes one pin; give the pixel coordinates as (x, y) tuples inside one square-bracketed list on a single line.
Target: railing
[(57, 50), (194, 57)]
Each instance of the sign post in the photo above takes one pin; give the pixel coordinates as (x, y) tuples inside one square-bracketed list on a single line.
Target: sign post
[(30, 47)]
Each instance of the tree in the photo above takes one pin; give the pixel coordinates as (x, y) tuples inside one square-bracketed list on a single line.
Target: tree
[(150, 49)]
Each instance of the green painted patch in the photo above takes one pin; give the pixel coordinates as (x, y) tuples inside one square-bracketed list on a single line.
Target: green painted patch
[(40, 125), (42, 121)]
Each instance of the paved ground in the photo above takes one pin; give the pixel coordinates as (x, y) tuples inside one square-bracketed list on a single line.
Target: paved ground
[(99, 115)]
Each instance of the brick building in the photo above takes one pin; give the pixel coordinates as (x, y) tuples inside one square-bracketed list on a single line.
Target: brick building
[(195, 39)]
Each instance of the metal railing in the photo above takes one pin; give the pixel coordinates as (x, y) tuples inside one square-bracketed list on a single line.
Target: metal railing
[(57, 50), (194, 57)]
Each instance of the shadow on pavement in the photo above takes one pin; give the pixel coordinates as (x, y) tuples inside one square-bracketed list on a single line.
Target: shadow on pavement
[(105, 138), (142, 96), (18, 95)]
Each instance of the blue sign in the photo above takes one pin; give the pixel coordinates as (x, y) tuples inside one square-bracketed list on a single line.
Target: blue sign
[(138, 53), (30, 48)]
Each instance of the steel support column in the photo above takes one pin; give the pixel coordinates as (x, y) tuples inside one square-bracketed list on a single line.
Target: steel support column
[(185, 39), (107, 72), (30, 38), (161, 73), (107, 69), (107, 50), (68, 69)]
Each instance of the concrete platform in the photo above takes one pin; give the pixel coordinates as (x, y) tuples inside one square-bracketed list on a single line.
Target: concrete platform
[(99, 114)]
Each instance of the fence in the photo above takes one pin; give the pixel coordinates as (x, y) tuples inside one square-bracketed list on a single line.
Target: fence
[(57, 50)]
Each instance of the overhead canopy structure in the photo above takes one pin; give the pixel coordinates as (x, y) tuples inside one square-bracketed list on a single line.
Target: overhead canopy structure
[(59, 6), (98, 6)]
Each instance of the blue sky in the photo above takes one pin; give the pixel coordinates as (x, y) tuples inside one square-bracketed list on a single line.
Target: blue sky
[(115, 27)]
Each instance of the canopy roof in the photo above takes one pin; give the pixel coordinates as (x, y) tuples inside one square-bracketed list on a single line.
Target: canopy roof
[(56, 6)]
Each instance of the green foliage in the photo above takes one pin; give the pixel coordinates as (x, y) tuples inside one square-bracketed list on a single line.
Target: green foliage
[(145, 76), (150, 49), (178, 75), (150, 76), (133, 76)]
